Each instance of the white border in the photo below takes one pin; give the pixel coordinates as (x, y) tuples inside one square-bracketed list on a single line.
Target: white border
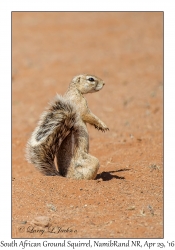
[(5, 92)]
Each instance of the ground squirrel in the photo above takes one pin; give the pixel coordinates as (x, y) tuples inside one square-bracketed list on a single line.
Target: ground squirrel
[(62, 133)]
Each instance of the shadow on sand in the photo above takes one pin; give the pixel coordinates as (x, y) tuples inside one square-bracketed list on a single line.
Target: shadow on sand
[(107, 176)]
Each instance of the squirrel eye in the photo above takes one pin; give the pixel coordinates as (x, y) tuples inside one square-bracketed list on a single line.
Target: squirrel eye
[(91, 79)]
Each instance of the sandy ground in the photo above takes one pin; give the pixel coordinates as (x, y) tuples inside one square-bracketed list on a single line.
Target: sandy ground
[(126, 51)]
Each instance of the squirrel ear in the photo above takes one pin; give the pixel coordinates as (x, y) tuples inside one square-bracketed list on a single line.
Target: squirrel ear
[(76, 79)]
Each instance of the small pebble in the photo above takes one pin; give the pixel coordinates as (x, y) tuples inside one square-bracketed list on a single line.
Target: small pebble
[(23, 222), (131, 208), (42, 221), (52, 207)]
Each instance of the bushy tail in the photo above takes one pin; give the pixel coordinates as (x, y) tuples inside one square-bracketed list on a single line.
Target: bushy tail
[(55, 124)]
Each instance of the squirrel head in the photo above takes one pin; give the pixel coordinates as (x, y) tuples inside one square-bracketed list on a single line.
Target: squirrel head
[(87, 83)]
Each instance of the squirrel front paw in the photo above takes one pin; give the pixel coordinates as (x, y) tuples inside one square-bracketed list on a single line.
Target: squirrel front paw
[(101, 127)]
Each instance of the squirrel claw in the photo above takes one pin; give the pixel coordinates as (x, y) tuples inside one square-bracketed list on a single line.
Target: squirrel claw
[(101, 128)]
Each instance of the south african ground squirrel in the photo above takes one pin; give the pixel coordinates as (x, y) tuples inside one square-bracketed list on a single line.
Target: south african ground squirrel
[(62, 133)]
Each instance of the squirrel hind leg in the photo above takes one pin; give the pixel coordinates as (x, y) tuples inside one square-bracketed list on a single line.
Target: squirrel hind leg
[(84, 168)]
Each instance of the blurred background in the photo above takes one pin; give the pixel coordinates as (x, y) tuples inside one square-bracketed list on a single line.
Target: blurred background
[(125, 49)]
